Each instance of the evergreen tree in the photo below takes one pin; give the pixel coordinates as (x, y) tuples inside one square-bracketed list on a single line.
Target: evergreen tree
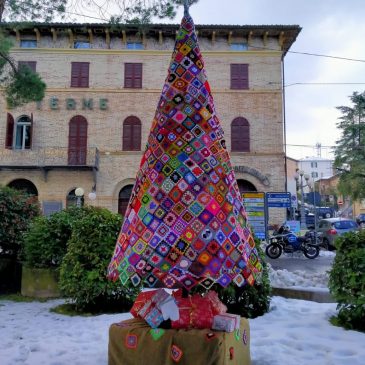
[(350, 149)]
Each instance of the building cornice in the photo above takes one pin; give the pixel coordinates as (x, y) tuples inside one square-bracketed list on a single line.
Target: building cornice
[(95, 51)]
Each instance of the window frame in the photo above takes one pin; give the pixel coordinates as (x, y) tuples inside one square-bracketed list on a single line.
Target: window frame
[(30, 64), (26, 127), (25, 43)]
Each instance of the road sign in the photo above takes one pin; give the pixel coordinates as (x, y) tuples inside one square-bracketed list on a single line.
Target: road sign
[(278, 200), (254, 204)]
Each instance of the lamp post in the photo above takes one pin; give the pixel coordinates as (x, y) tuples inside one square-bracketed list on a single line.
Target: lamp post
[(299, 178), (79, 192)]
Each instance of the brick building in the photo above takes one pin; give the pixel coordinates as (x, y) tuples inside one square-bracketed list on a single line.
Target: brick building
[(103, 85)]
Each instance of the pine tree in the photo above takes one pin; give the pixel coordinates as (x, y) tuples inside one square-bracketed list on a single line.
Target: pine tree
[(350, 149)]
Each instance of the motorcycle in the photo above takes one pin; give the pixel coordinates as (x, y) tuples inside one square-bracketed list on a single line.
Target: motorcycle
[(289, 242)]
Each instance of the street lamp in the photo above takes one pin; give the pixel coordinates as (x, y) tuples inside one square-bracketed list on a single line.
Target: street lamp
[(79, 192), (299, 178)]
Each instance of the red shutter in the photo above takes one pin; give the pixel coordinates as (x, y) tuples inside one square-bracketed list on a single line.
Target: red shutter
[(133, 75), (31, 64), (136, 137), (80, 74), (31, 131), (9, 131), (77, 141), (240, 135), (239, 76), (132, 134), (127, 137)]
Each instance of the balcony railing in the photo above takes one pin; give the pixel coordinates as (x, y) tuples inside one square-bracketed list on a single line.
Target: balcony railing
[(50, 157)]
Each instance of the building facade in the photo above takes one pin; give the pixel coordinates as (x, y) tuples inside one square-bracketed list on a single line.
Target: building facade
[(103, 85)]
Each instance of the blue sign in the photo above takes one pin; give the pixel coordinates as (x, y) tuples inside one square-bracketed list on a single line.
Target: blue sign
[(278, 200)]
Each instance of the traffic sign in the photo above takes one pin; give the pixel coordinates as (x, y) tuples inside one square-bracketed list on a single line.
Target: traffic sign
[(278, 200)]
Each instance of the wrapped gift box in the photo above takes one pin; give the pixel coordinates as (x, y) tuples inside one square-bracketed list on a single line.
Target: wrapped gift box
[(217, 306), (194, 312), (226, 322)]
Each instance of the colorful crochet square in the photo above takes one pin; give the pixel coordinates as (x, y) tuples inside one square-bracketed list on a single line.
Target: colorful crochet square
[(185, 220), (157, 333), (131, 341), (176, 353)]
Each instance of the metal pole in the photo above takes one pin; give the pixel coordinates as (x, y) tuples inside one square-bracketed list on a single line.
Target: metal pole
[(302, 210)]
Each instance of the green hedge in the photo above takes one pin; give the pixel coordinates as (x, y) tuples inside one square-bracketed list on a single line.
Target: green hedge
[(347, 280), (83, 269), (45, 243), (17, 209)]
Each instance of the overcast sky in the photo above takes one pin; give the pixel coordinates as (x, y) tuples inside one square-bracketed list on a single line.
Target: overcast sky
[(330, 27)]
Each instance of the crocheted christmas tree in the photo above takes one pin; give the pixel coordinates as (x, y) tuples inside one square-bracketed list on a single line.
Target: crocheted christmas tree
[(185, 224)]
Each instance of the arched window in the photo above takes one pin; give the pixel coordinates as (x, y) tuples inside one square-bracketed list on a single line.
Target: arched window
[(77, 141), (240, 135), (25, 185), (22, 138), (132, 134), (124, 195), (71, 199), (245, 186)]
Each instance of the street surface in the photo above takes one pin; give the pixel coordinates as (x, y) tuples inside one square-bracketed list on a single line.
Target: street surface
[(299, 262)]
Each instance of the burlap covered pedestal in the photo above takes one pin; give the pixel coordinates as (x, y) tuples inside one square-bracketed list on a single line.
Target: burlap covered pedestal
[(133, 342)]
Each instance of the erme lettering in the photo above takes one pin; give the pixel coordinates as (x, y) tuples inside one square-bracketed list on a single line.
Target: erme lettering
[(72, 104)]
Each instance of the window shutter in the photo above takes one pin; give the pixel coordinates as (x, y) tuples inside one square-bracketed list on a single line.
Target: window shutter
[(240, 135), (132, 134), (84, 74), (31, 131), (31, 64), (239, 76), (80, 74), (133, 75), (127, 137), (136, 137), (9, 131)]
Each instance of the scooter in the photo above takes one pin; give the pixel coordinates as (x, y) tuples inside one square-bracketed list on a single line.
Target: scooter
[(289, 242)]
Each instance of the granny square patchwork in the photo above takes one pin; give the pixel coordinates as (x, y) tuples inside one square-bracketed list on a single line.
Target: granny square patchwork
[(185, 224)]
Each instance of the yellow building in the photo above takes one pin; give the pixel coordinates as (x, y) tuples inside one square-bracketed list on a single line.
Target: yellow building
[(103, 85)]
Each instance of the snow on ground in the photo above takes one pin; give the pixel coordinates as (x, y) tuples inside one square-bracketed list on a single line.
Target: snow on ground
[(298, 279), (294, 332)]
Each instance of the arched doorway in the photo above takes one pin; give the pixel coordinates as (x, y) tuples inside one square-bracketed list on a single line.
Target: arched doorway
[(71, 199), (124, 195), (24, 185), (245, 186), (77, 141)]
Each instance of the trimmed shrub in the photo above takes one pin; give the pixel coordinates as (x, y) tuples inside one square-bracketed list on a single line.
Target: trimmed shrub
[(45, 243), (83, 269), (347, 280), (17, 209)]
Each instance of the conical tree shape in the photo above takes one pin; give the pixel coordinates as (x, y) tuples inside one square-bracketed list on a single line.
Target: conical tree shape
[(185, 223)]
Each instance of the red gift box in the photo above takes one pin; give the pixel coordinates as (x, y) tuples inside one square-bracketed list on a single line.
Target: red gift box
[(194, 312), (140, 301), (217, 306)]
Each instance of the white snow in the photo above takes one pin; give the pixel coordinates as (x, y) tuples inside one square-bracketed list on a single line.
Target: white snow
[(294, 332)]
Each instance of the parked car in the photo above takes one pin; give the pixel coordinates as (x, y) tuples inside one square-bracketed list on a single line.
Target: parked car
[(360, 219), (325, 212), (331, 228)]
